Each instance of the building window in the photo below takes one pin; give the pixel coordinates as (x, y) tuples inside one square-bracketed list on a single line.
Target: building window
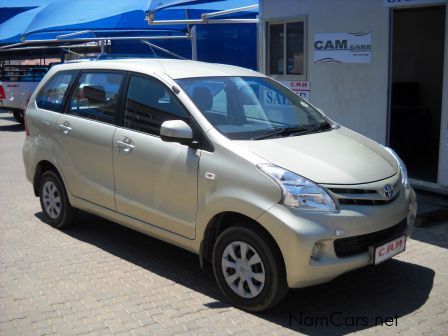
[(286, 48)]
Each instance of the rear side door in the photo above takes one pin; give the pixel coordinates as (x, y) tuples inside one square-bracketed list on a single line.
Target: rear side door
[(155, 181), (44, 112), (84, 140)]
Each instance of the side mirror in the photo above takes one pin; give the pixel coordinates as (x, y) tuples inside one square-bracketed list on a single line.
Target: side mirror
[(176, 131)]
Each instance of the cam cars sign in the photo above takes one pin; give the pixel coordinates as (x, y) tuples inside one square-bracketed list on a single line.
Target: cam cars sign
[(343, 48)]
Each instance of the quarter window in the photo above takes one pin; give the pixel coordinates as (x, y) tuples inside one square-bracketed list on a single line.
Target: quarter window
[(96, 96), (286, 45), (149, 103), (51, 97)]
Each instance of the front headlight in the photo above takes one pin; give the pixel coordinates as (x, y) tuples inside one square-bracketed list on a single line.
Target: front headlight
[(298, 191), (401, 165)]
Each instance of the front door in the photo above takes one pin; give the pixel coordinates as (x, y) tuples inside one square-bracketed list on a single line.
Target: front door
[(155, 181)]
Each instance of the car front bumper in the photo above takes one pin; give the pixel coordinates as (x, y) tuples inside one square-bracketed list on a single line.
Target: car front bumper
[(296, 233)]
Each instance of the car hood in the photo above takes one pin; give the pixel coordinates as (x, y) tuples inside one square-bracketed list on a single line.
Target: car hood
[(339, 156)]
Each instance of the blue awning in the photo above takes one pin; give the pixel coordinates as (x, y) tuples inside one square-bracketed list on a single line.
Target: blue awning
[(201, 5), (63, 15), (9, 8), (12, 29), (23, 3), (101, 19), (194, 9), (157, 5)]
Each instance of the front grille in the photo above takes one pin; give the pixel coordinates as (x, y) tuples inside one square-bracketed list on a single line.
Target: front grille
[(352, 196), (352, 191), (354, 201), (345, 247)]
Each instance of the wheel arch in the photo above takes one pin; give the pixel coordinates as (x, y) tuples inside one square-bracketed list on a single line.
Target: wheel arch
[(226, 219), (41, 168)]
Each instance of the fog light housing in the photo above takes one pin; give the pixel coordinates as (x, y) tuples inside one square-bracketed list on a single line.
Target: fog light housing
[(316, 251)]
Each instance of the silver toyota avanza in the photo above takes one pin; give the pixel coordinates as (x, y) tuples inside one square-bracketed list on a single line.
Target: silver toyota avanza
[(222, 161)]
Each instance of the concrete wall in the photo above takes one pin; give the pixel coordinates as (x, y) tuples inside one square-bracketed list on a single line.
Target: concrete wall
[(354, 95)]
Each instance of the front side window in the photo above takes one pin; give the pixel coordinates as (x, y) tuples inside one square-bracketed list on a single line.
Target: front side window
[(148, 104), (96, 96), (244, 108), (286, 44), (51, 97)]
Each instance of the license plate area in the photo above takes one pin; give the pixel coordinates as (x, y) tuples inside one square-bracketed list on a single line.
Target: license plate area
[(389, 249)]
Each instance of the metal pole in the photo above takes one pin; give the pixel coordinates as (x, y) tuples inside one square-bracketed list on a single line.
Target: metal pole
[(200, 21), (194, 44), (228, 11), (102, 46), (93, 39)]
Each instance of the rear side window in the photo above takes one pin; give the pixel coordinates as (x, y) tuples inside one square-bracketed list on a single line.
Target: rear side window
[(96, 96), (51, 97), (149, 103)]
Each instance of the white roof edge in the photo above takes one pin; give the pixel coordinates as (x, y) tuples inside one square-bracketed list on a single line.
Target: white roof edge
[(172, 67)]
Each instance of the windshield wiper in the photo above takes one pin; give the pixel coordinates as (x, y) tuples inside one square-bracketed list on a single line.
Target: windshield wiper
[(290, 131), (280, 131)]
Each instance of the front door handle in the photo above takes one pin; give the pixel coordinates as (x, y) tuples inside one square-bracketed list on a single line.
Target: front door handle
[(124, 147), (65, 128)]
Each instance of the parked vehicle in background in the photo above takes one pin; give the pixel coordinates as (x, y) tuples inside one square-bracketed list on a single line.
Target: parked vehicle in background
[(222, 161), (17, 84)]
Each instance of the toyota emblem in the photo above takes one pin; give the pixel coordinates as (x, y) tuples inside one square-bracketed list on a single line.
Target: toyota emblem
[(388, 191)]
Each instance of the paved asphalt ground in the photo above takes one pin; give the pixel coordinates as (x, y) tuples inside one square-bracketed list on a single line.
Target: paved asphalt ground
[(97, 278)]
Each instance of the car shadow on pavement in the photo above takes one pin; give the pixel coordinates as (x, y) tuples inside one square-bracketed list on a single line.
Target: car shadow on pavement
[(16, 127), (355, 301), (372, 296), (12, 128)]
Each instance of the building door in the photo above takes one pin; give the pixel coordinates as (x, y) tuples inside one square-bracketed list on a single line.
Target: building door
[(418, 37)]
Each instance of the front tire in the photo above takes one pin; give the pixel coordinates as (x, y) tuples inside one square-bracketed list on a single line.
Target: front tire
[(57, 209), (249, 269)]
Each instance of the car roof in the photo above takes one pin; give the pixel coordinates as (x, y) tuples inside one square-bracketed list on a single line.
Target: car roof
[(172, 67)]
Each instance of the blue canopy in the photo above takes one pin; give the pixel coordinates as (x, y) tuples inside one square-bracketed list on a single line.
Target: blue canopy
[(9, 8), (154, 6), (11, 30), (215, 5), (23, 3), (101, 19), (63, 15)]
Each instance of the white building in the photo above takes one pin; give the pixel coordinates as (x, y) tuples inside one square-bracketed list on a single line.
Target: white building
[(376, 66)]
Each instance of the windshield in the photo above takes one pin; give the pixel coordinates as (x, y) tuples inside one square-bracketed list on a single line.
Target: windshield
[(245, 108)]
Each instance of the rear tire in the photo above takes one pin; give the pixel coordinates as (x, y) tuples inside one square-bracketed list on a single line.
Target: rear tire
[(54, 201), (249, 269), (18, 115)]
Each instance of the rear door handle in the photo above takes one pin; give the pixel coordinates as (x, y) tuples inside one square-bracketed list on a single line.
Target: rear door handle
[(124, 147), (65, 128)]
